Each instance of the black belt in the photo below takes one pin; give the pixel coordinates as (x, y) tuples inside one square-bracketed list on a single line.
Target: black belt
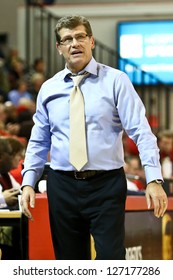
[(82, 175)]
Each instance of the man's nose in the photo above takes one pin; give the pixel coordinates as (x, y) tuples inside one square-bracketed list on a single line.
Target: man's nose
[(74, 41)]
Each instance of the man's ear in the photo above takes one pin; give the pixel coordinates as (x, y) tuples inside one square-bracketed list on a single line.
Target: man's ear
[(58, 48), (92, 43)]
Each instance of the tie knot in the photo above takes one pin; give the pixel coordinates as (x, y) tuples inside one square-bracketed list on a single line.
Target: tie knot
[(78, 78)]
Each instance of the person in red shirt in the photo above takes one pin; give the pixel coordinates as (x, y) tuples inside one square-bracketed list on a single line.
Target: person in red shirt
[(165, 144)]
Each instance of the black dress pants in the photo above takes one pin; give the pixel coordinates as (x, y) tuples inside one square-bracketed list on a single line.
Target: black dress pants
[(78, 208)]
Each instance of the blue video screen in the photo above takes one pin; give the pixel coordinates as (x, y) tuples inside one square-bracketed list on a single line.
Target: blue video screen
[(149, 46)]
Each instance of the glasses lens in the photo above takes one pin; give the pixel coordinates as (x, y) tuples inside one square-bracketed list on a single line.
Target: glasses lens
[(69, 40)]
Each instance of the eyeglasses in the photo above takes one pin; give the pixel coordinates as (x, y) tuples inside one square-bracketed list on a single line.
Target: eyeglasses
[(80, 38)]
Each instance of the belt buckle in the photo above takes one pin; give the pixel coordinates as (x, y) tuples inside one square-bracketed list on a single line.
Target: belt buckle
[(78, 178)]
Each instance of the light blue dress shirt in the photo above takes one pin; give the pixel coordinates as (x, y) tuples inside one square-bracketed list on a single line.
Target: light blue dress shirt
[(111, 106)]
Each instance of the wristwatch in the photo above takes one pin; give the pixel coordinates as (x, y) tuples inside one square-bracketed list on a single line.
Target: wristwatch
[(158, 181)]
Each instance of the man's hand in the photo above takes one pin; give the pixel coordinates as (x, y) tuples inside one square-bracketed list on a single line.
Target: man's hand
[(27, 199), (155, 194)]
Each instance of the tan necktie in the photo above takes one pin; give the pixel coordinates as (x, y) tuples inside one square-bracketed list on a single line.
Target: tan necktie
[(78, 150)]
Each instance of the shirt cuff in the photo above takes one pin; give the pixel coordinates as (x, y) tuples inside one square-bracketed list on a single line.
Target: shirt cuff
[(152, 174), (29, 178)]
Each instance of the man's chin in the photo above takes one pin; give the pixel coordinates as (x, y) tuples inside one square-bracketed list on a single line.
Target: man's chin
[(76, 64)]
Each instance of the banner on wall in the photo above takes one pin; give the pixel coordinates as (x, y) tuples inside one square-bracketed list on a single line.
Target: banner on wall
[(148, 237)]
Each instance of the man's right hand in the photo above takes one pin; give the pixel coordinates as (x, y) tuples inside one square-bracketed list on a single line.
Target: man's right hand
[(27, 199)]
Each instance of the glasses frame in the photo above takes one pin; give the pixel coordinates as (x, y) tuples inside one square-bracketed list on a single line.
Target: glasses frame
[(80, 38)]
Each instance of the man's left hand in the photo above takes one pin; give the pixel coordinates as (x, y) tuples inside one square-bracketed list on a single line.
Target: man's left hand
[(156, 195)]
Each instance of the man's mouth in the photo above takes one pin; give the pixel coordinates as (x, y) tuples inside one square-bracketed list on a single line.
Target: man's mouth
[(76, 53)]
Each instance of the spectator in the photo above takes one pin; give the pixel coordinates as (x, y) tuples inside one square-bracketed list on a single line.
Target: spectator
[(18, 149), (20, 92), (16, 72), (10, 154), (11, 111), (3, 116), (165, 143), (4, 84), (19, 119), (37, 80), (134, 172), (37, 68)]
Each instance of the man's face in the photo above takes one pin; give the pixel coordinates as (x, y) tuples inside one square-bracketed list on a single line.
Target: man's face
[(76, 47)]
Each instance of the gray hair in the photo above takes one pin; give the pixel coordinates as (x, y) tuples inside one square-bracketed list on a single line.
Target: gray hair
[(72, 22)]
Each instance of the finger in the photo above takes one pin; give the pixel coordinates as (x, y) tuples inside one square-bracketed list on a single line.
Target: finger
[(16, 192), (25, 210), (32, 202), (11, 190), (164, 207), (160, 210), (156, 205), (28, 214), (15, 199), (161, 206), (148, 200)]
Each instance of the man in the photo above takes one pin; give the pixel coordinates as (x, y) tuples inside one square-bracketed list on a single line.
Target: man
[(90, 200)]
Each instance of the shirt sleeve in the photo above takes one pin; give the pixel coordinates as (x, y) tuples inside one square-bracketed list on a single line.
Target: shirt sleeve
[(38, 146), (133, 117)]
